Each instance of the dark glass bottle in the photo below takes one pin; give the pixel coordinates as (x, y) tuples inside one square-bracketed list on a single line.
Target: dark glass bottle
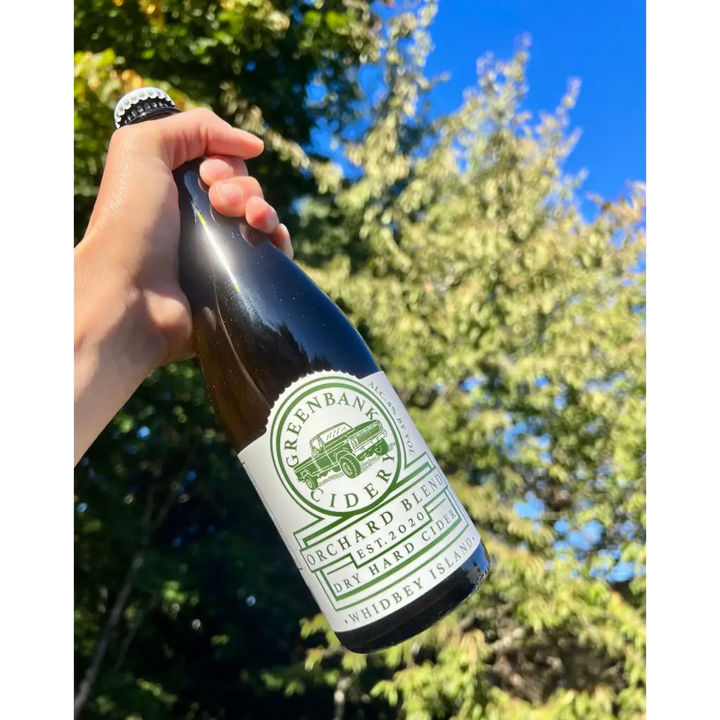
[(319, 431)]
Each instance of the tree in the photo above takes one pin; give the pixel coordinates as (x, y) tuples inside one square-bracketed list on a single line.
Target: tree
[(513, 329), (252, 61)]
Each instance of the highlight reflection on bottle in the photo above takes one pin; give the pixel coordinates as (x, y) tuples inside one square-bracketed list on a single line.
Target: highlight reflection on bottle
[(372, 523)]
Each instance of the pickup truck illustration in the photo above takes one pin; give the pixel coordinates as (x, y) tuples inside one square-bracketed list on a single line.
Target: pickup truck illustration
[(341, 448)]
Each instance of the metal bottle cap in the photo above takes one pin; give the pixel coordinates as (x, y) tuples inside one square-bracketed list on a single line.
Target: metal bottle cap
[(140, 103)]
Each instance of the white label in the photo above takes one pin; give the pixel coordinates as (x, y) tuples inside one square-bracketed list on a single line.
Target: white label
[(358, 498)]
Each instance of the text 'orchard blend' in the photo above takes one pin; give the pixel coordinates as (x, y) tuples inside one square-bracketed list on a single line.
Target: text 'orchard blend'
[(366, 513)]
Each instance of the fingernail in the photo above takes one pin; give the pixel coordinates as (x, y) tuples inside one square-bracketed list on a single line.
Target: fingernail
[(229, 193), (285, 241)]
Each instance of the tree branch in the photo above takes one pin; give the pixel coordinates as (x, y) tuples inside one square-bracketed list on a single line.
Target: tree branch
[(101, 648), (150, 525)]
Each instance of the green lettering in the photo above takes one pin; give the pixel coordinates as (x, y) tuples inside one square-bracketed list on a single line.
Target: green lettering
[(370, 490), (384, 475)]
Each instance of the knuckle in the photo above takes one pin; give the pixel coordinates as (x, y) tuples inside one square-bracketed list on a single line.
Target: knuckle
[(203, 116), (198, 113), (129, 140), (124, 136)]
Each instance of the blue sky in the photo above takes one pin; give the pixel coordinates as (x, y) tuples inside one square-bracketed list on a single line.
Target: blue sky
[(600, 42)]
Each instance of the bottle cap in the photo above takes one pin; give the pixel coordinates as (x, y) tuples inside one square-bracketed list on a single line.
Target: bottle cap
[(141, 103)]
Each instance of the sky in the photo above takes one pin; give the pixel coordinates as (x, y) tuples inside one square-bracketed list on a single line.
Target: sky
[(601, 42)]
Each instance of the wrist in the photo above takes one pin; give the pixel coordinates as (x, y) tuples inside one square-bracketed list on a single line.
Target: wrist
[(112, 321), (116, 347)]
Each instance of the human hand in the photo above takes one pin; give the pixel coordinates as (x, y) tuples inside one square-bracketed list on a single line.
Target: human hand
[(131, 315), (134, 230)]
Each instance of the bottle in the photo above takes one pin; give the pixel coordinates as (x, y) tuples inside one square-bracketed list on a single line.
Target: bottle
[(370, 520)]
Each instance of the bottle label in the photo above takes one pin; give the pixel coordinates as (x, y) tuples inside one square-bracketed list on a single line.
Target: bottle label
[(368, 516)]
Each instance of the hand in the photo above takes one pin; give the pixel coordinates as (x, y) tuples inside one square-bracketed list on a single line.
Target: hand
[(130, 314), (135, 225)]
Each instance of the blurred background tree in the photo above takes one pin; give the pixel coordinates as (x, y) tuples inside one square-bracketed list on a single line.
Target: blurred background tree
[(511, 326), (254, 62)]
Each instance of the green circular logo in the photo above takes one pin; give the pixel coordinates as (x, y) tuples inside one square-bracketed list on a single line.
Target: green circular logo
[(334, 446)]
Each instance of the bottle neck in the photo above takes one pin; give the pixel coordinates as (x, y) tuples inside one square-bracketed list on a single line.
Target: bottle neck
[(141, 113)]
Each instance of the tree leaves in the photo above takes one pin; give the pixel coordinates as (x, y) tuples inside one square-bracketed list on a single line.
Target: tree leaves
[(513, 329)]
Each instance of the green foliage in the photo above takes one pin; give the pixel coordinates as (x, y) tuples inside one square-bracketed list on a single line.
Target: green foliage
[(252, 61), (511, 326)]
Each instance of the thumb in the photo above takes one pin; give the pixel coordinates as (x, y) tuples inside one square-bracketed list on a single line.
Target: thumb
[(193, 134)]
